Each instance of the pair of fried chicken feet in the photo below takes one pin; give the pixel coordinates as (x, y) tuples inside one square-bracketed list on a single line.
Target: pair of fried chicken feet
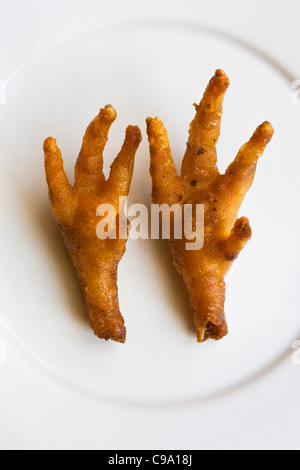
[(96, 261)]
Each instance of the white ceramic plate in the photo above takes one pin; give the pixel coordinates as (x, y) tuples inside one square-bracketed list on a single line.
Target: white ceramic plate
[(147, 68)]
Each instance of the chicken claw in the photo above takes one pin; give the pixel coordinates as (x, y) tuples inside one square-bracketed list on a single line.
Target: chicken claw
[(74, 207), (221, 194)]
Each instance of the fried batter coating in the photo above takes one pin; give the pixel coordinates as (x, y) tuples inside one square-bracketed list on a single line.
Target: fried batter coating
[(200, 182), (96, 261)]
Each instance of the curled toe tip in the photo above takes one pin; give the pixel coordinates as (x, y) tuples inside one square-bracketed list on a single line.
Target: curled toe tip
[(243, 226), (267, 126), (135, 133), (155, 126), (150, 121), (108, 112), (220, 73), (49, 143), (266, 129), (221, 76), (246, 230), (263, 134), (155, 120)]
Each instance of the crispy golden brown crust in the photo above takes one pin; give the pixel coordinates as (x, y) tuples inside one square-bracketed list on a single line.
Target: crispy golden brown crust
[(201, 183), (96, 261)]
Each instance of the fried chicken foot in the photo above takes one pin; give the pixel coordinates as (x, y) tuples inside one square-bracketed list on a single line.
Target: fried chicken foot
[(96, 261), (200, 182)]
